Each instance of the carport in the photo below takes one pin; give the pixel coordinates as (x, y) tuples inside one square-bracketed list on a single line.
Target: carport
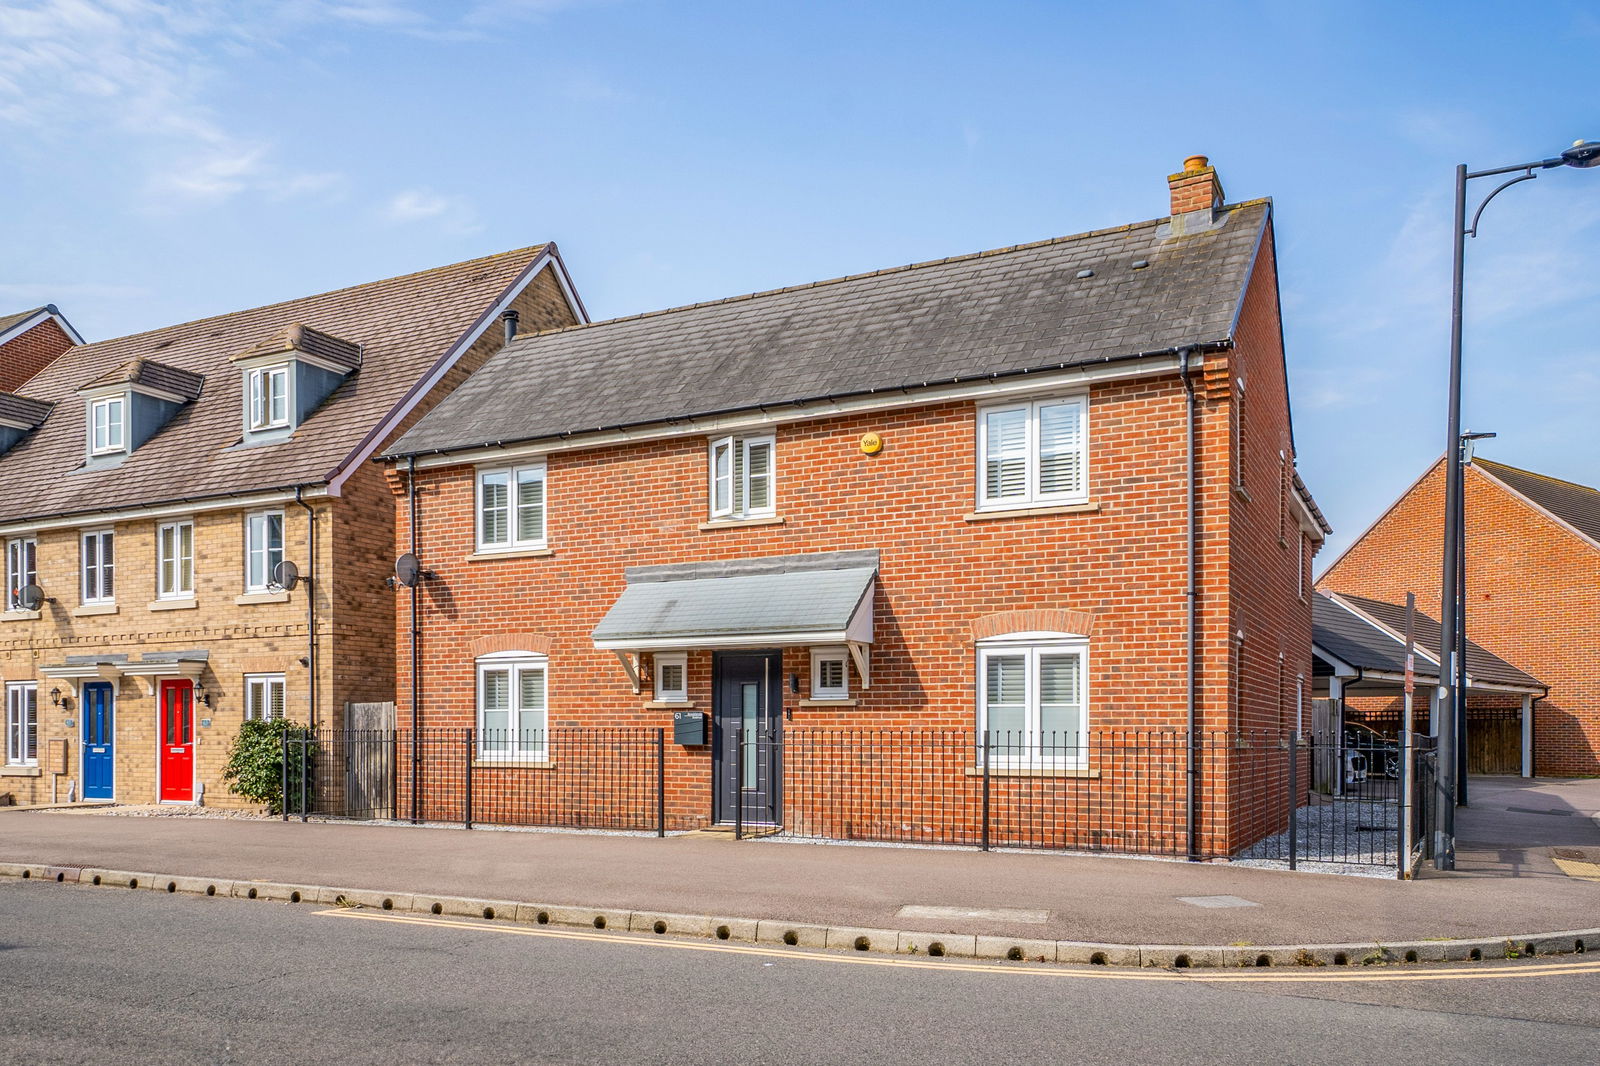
[(1358, 650)]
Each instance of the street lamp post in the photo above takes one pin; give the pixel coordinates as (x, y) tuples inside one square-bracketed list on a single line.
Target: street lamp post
[(1452, 747)]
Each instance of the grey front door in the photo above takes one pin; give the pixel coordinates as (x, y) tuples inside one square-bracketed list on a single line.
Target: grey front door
[(747, 696)]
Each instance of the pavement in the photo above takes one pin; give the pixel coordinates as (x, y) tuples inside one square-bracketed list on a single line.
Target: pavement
[(1507, 884)]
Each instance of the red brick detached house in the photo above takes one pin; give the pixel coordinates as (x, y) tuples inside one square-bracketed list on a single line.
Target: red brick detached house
[(30, 341), (861, 518), (1533, 586)]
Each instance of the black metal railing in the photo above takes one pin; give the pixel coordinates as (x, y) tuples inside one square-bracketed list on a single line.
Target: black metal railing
[(1259, 795)]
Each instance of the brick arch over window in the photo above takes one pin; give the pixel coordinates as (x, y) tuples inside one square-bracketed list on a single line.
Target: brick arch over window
[(1039, 620), (538, 643)]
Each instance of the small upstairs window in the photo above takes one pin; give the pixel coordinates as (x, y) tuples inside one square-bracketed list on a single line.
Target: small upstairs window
[(269, 397), (743, 478), (263, 549), (511, 508), (22, 569), (108, 426), (99, 567)]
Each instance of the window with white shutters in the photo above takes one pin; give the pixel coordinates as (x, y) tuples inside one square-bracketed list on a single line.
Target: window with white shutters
[(263, 549), (830, 674), (22, 724), (672, 677), (512, 715), (1033, 453), (99, 566), (263, 696), (1031, 700), (175, 561), (22, 569), (511, 508), (743, 478)]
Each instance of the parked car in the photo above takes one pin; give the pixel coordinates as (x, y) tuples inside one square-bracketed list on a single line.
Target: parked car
[(1382, 753)]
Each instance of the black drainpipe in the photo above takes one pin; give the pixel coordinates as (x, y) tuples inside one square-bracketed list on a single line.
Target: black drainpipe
[(1190, 593), (416, 644), (311, 599)]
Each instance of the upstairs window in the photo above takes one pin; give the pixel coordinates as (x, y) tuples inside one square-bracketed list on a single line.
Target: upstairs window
[(175, 561), (511, 706), (263, 696), (269, 397), (263, 549), (1033, 453), (743, 478), (511, 508), (22, 569), (108, 428), (99, 562)]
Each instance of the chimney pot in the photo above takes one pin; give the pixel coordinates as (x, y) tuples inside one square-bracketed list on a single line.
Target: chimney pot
[(1196, 162), (1195, 189)]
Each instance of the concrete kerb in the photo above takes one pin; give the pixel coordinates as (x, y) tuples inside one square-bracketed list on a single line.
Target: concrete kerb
[(840, 938)]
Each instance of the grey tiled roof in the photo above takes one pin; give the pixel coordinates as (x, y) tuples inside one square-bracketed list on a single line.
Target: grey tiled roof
[(1577, 505), (744, 598), (1361, 644), (14, 408), (976, 316), (404, 325)]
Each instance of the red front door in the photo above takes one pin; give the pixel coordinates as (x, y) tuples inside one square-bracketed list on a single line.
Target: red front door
[(177, 741)]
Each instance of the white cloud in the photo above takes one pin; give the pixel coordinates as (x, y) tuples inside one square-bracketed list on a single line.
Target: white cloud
[(454, 214)]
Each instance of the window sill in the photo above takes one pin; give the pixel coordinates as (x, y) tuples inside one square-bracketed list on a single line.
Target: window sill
[(261, 597), (84, 610), (1087, 507), (18, 616), (669, 705), (509, 553), (1239, 491), (1022, 771), (740, 523), (187, 603), (21, 771), (843, 701), (511, 764)]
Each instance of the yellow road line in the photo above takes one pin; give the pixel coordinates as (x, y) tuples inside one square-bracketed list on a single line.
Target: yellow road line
[(1531, 969)]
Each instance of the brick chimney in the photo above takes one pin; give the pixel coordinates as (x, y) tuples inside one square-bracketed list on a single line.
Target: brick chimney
[(1196, 188)]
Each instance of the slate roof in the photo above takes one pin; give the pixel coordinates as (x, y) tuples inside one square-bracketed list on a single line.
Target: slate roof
[(1577, 505), (989, 314), (403, 325), (1360, 643), (793, 594)]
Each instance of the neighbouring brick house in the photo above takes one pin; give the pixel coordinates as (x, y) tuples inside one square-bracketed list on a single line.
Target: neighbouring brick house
[(860, 517), (1533, 598), (29, 341), (156, 482)]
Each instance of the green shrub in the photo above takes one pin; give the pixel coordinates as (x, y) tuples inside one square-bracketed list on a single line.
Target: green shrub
[(255, 762)]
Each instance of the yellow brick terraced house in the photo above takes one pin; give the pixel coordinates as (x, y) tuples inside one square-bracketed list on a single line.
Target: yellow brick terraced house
[(193, 534)]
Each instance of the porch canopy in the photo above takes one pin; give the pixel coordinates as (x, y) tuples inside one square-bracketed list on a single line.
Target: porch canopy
[(149, 666), (1358, 649), (821, 598)]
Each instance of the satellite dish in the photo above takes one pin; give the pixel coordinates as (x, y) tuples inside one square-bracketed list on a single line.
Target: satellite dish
[(407, 570), (30, 598), (286, 575)]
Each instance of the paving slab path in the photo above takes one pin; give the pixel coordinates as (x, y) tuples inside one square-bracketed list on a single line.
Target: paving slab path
[(1506, 883)]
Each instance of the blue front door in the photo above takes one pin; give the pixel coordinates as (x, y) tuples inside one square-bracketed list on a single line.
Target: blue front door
[(99, 738)]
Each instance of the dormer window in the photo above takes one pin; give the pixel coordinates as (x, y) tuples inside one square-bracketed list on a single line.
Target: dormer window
[(269, 397), (108, 426), (287, 377)]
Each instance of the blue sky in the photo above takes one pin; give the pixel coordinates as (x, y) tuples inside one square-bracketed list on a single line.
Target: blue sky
[(162, 161)]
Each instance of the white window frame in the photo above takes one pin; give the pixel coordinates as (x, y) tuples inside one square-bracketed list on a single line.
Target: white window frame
[(22, 569), (515, 477), (728, 492), (182, 562), (1032, 495), (258, 690), (262, 521), (97, 581), (515, 665), (665, 660), (269, 388), (821, 691), (22, 723), (110, 446), (1032, 752)]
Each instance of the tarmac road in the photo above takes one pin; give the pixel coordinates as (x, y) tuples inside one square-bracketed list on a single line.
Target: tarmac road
[(91, 975)]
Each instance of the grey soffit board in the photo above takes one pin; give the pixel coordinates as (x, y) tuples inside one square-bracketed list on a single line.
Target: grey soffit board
[(971, 317), (751, 605)]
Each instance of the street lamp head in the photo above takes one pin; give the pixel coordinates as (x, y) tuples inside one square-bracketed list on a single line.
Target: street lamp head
[(1582, 154)]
